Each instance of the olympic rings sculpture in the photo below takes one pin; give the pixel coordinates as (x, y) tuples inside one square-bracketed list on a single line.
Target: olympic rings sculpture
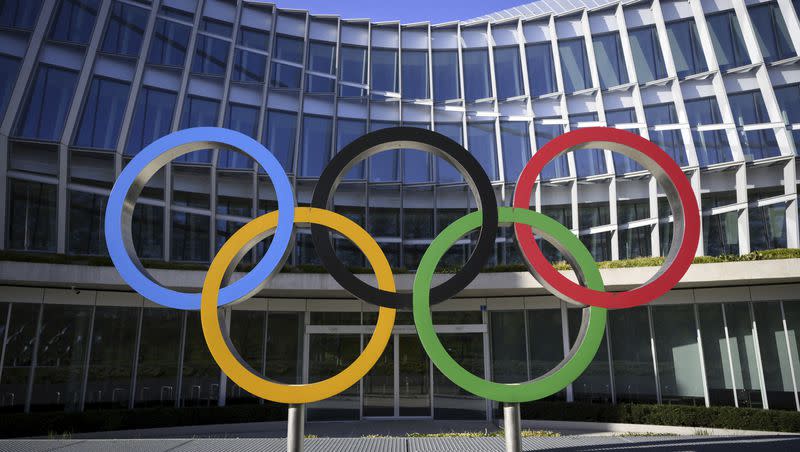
[(588, 291)]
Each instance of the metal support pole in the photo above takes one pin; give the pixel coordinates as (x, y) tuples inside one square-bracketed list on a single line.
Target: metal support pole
[(295, 428), (511, 424)]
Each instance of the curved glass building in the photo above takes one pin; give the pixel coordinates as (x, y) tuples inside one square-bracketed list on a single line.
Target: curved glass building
[(86, 84)]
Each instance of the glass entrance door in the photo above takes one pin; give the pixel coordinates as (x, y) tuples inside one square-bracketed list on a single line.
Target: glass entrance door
[(400, 383)]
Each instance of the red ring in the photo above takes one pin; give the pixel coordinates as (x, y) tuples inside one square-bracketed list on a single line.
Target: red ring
[(611, 300)]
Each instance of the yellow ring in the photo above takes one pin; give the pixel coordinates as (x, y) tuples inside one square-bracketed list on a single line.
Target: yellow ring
[(238, 371)]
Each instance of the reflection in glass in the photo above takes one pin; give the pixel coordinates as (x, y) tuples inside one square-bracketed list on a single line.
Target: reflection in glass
[(721, 234), (414, 375), (211, 56), (289, 48), (446, 82), (383, 66), (111, 359), (378, 385), (483, 145), (102, 114), (767, 224), (635, 242), (647, 56), (190, 237), (545, 343), (19, 347), (415, 74), (247, 336), (716, 357), (541, 71), (594, 384), (477, 84), (315, 146), (449, 400), (516, 147), (201, 376), (157, 373), (353, 69), (198, 112), (558, 167), (634, 377), (509, 364), (773, 36), (86, 223), (9, 67), (19, 14), (73, 21), (610, 60), (125, 29), (574, 64), (726, 35), (32, 216), (384, 166), (774, 356), (347, 131), (687, 52), (279, 137), (47, 104), (786, 95), (743, 354), (678, 355), (329, 354), (244, 119), (507, 72), (445, 172), (152, 118), (248, 66), (284, 347)]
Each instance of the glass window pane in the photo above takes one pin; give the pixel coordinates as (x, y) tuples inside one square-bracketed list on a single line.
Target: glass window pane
[(671, 141), (147, 230), (721, 234), (726, 35), (329, 354), (247, 337), (574, 64), (483, 145), (647, 56), (446, 82), (508, 72), (86, 229), (477, 84), (715, 355), (767, 224), (559, 167), (773, 36), (200, 386), (279, 136), (545, 343), (445, 172), (678, 355), (217, 27), (743, 353), (157, 377), (383, 66), (759, 144), (20, 13), (712, 147), (125, 29), (285, 347), (748, 108), (635, 243), (416, 163), (244, 119), (509, 364), (315, 146), (32, 216), (687, 51), (111, 360), (102, 114), (384, 166), (21, 335), (73, 21), (321, 57), (353, 64), (791, 310), (211, 56), (62, 351), (610, 60), (152, 118), (634, 377), (348, 130), (774, 356), (9, 66), (660, 114), (319, 84), (198, 112), (248, 66), (541, 70), (253, 38), (415, 74), (516, 147), (170, 43), (449, 400), (285, 76), (47, 104), (289, 48), (190, 237), (594, 384), (787, 100)]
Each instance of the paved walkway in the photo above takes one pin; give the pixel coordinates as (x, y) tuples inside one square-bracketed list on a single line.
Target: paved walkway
[(572, 443)]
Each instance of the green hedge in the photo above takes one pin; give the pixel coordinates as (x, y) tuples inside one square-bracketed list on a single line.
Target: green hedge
[(678, 415), (59, 424)]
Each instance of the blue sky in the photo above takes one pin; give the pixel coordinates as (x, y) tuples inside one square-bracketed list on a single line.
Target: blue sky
[(406, 11)]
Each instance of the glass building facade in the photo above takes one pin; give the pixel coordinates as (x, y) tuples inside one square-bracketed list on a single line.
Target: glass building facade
[(86, 84)]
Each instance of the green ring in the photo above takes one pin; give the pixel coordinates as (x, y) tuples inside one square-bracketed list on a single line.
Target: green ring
[(576, 361)]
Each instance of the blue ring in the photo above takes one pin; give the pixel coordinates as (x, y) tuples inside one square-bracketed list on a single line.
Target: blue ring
[(145, 162)]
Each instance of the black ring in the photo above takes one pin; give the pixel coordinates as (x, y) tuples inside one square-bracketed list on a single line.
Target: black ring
[(418, 139)]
